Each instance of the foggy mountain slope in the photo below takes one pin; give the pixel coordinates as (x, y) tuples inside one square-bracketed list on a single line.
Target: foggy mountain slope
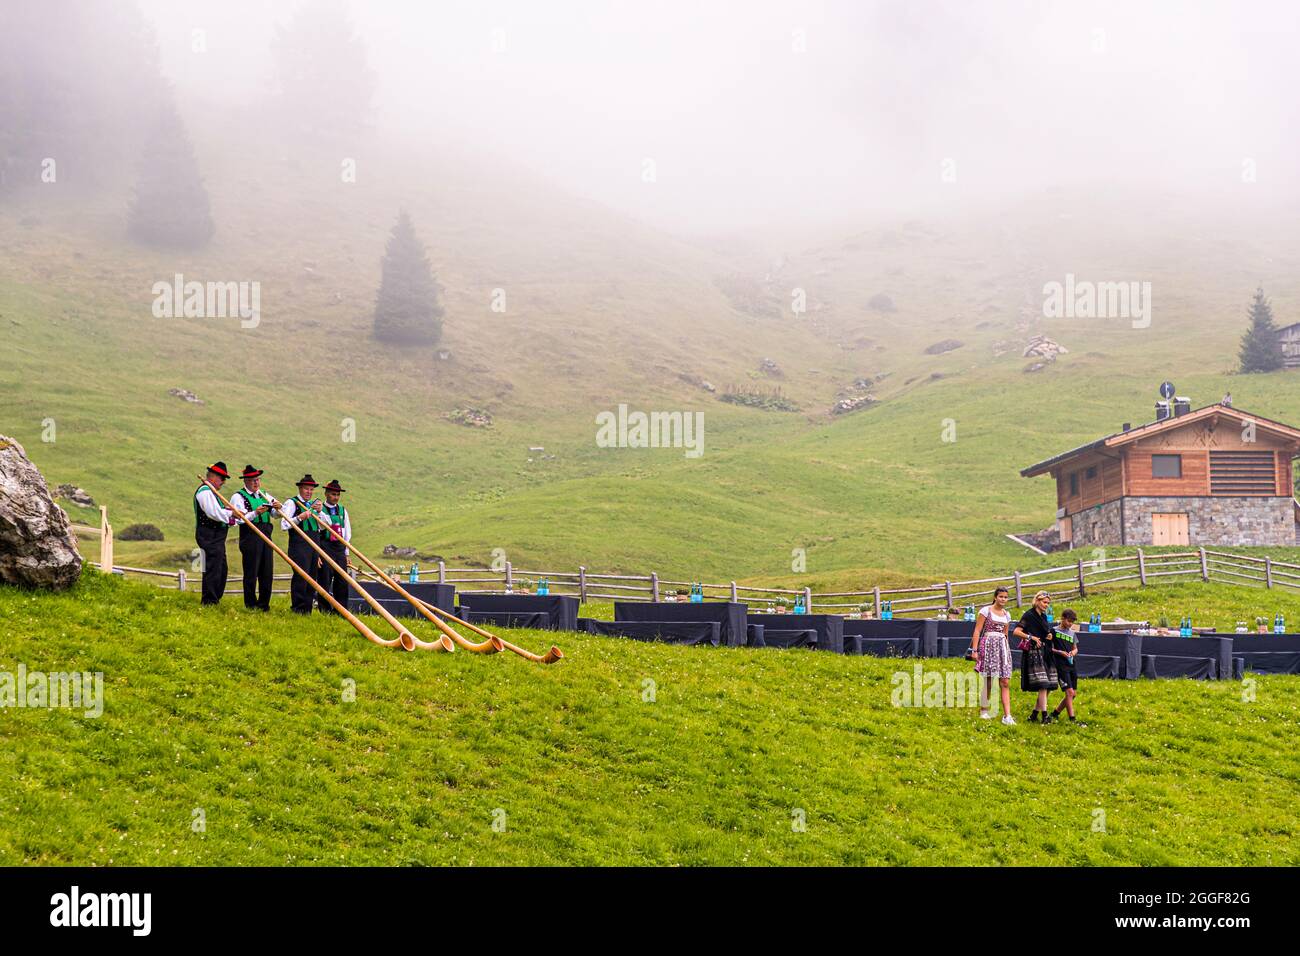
[(864, 490)]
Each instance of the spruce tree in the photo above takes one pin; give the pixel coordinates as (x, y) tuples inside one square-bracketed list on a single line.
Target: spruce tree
[(171, 207), (1260, 349), (407, 311)]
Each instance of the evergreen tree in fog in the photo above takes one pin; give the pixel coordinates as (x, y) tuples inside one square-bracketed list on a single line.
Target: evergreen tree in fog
[(408, 311), (171, 207), (1260, 349)]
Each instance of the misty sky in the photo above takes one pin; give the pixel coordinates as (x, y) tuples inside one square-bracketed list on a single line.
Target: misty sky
[(744, 130)]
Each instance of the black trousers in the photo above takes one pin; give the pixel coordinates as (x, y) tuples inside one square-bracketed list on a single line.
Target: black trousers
[(302, 596), (259, 567), (212, 542), (335, 583)]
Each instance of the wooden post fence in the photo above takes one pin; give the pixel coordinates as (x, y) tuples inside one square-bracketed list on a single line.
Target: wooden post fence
[(1082, 590), (654, 586), (1020, 601), (1268, 569), (582, 584), (105, 541), (1205, 568), (1142, 568)]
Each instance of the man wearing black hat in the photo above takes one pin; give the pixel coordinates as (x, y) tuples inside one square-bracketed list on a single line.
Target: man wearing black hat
[(257, 556), (336, 516), (211, 524), (305, 511)]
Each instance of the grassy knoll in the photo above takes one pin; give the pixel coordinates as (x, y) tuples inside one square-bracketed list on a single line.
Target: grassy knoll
[(243, 717)]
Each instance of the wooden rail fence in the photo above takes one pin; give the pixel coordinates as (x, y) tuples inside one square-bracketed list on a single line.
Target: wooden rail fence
[(1064, 581)]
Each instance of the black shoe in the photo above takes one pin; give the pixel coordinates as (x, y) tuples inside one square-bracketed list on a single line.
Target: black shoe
[(1033, 716), (1049, 718)]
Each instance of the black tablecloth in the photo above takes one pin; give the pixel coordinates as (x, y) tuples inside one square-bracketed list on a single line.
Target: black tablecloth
[(729, 616), (1269, 662), (1217, 649), (562, 609), (805, 637), (1173, 665), (439, 595), (1127, 647), (885, 646), (754, 635), (1099, 665), (925, 633), (538, 620), (669, 632), (829, 627)]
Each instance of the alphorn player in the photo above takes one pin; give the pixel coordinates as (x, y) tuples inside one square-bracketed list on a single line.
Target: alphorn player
[(336, 516), (304, 511), (211, 524), (257, 556)]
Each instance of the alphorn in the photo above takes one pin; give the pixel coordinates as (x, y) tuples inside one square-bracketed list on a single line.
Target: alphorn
[(490, 646), (550, 657), (351, 618), (408, 640)]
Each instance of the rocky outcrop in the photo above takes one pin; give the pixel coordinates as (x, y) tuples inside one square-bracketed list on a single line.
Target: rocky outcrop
[(945, 345), (1044, 347), (185, 395), (78, 496), (37, 547)]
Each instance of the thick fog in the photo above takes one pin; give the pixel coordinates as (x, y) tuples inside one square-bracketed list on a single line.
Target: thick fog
[(725, 116)]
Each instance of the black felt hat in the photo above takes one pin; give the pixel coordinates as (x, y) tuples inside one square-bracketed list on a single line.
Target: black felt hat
[(219, 468), (307, 479), (335, 486)]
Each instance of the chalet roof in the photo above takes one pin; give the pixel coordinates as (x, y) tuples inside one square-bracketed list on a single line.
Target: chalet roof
[(1168, 424)]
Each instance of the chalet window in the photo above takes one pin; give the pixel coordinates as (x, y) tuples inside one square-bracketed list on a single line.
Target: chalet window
[(1242, 473), (1166, 466), (1074, 482), (1091, 473)]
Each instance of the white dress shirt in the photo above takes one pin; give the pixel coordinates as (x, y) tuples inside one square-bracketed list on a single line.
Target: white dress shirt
[(347, 522), (287, 512), (211, 507)]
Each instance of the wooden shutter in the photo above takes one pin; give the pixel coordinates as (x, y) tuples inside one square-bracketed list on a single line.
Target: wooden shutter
[(1243, 473)]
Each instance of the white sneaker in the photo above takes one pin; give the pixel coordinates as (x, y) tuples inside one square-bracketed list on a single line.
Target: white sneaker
[(1008, 720), (985, 715)]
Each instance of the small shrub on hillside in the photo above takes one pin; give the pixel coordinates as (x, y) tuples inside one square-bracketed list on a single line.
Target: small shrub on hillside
[(140, 532)]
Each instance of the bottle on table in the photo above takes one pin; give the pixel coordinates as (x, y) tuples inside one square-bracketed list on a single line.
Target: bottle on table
[(413, 576)]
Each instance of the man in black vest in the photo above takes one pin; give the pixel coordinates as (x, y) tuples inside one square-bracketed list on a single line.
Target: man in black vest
[(257, 557), (211, 524), (304, 511), (336, 516)]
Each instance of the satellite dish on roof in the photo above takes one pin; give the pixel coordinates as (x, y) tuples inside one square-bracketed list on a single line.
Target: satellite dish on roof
[(1167, 390)]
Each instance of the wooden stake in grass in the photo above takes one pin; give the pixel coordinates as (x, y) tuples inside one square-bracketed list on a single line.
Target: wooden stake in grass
[(347, 615)]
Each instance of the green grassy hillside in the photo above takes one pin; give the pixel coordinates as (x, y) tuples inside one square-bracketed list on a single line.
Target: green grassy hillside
[(242, 718), (603, 311)]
